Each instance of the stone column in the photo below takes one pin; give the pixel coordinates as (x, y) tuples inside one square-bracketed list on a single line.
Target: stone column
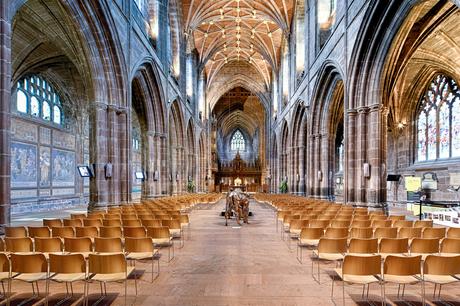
[(302, 170), (350, 160), (5, 115), (123, 148), (361, 154), (323, 158)]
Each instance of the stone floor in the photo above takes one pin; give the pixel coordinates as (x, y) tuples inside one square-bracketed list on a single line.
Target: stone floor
[(248, 265)]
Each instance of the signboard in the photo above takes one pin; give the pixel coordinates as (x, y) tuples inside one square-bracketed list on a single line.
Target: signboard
[(412, 183)]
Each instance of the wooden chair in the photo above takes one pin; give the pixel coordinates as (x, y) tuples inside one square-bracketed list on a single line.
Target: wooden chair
[(362, 270), (108, 245), (63, 232), (385, 232), (67, 268), (151, 223), (19, 244), (72, 222), (16, 231), (308, 237), (92, 222), (410, 232), (381, 223), (393, 246), (110, 232), (423, 223), (131, 222), (87, 231), (106, 268), (142, 249), (363, 246), (397, 217), (319, 223), (403, 270), (453, 232), (111, 222), (361, 232), (161, 238), (5, 275), (441, 270), (134, 232), (340, 223), (80, 245), (361, 223), (403, 223), (78, 216), (39, 231), (329, 249), (434, 232), (424, 247), (30, 268), (47, 245), (450, 246), (336, 232), (52, 222)]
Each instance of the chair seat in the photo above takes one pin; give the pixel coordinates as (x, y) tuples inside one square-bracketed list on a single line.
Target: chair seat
[(440, 279), (308, 242), (31, 277), (175, 232), (449, 254), (295, 232), (68, 277), (140, 255), (85, 254), (385, 255), (112, 277), (4, 275), (356, 279), (328, 256), (162, 241), (424, 255), (400, 279)]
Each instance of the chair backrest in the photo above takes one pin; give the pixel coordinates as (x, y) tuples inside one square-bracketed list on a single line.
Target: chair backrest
[(441, 265), (79, 244), (112, 216), (361, 223), (131, 222), (67, 263), (386, 232), (319, 223), (110, 232), (29, 263), (52, 222), (424, 245), (381, 223), (361, 218), (19, 244), (332, 245), (423, 223), (450, 245), (48, 244), (15, 231), (39, 231), (111, 222), (453, 232), (158, 232), (184, 219), (402, 265), (133, 245), (363, 246), (410, 232), (107, 263), (336, 232), (403, 223), (108, 245), (151, 223), (397, 217), (134, 232), (361, 232), (92, 222), (340, 223), (393, 245), (4, 263), (311, 233), (171, 224), (87, 231), (77, 216), (362, 265), (434, 232), (62, 232), (2, 244), (72, 222)]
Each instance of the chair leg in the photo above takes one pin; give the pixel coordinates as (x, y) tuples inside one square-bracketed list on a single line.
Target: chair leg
[(126, 290), (343, 292)]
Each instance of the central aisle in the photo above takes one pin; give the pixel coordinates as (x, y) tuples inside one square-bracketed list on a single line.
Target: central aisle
[(222, 265)]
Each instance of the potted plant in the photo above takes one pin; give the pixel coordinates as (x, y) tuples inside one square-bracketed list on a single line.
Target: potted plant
[(190, 186), (283, 186)]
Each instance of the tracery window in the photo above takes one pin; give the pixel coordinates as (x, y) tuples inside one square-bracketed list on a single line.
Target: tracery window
[(36, 97), (238, 142), (326, 17), (438, 121)]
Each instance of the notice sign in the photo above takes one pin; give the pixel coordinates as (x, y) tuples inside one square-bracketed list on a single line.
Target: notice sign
[(412, 183)]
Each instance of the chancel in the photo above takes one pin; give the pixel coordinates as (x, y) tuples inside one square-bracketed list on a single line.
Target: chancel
[(133, 131)]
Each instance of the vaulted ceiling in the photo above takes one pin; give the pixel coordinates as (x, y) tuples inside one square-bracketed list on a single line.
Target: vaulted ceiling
[(225, 31)]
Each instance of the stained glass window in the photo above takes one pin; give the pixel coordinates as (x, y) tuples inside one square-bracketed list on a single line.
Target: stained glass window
[(237, 142), (37, 97), (438, 122)]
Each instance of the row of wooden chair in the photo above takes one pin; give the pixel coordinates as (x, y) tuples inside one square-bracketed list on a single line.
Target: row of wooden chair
[(401, 270), (65, 268)]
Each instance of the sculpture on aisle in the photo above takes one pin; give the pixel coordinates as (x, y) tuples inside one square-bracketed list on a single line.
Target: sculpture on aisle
[(237, 202)]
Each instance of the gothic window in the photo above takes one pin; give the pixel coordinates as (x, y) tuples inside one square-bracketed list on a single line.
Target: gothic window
[(238, 142), (36, 97), (438, 121), (326, 19)]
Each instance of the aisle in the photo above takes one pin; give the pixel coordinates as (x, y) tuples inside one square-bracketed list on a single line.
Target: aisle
[(222, 265)]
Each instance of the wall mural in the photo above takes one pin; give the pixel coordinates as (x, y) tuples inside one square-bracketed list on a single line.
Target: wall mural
[(45, 166), (23, 165), (63, 168)]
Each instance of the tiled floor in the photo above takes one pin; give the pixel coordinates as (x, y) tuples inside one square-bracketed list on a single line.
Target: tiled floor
[(248, 265)]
